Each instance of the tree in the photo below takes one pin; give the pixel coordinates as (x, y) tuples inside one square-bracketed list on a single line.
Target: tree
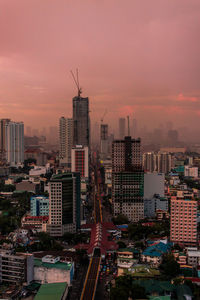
[(118, 293), (121, 244), (169, 266), (68, 237), (138, 292)]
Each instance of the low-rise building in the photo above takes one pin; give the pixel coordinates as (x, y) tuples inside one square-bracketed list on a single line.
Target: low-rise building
[(38, 223), (50, 269), (154, 253), (39, 206), (193, 258), (125, 259)]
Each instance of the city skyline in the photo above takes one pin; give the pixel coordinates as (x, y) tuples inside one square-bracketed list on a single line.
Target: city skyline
[(137, 59)]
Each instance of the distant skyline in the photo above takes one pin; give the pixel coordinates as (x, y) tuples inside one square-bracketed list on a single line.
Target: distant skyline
[(134, 57)]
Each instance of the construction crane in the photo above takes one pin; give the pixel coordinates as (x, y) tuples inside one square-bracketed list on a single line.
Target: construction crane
[(105, 112), (76, 80)]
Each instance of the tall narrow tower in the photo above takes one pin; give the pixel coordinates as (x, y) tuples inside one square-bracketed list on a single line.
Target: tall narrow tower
[(81, 122), (66, 140), (81, 134)]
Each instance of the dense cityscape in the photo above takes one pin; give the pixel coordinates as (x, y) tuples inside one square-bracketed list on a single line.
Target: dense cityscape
[(99, 150), (96, 219)]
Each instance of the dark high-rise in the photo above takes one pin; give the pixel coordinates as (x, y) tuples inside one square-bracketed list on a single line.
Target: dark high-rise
[(3, 123), (81, 121), (64, 203), (127, 179)]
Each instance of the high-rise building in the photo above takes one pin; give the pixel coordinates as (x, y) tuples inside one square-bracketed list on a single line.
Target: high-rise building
[(149, 162), (104, 142), (14, 143), (3, 123), (66, 140), (80, 161), (164, 162), (122, 128), (183, 223), (127, 179), (64, 204), (81, 121)]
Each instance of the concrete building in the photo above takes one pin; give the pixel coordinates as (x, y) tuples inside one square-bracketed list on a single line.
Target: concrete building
[(81, 122), (64, 204), (3, 123), (37, 223), (80, 160), (127, 179), (190, 171), (154, 183), (39, 206), (155, 205), (149, 162), (164, 162), (50, 269), (39, 170), (154, 253), (122, 128), (193, 257), (66, 140), (28, 186), (14, 143), (183, 223), (16, 269)]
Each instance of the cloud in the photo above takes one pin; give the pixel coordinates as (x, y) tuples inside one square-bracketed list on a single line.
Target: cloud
[(134, 57)]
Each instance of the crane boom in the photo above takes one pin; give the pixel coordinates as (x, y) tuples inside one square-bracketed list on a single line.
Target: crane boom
[(76, 80)]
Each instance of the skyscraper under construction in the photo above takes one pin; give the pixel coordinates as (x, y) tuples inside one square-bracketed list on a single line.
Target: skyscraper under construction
[(81, 121)]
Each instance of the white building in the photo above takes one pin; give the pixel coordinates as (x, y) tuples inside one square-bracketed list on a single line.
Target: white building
[(66, 140), (14, 143), (154, 183), (80, 160)]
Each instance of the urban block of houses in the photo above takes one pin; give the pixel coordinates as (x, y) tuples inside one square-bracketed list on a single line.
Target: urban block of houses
[(126, 259), (154, 253)]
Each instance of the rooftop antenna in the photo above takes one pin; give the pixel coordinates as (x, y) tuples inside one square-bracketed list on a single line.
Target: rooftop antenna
[(128, 126), (76, 80)]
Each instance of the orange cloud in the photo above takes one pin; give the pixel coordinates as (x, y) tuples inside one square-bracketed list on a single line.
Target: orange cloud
[(181, 97)]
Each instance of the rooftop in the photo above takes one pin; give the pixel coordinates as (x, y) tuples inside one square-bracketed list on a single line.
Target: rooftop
[(58, 265), (51, 291), (157, 249)]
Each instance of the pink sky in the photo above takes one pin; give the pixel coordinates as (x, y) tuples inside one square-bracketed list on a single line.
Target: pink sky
[(134, 56)]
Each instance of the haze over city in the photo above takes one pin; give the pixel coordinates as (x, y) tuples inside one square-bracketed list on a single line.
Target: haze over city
[(135, 57)]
